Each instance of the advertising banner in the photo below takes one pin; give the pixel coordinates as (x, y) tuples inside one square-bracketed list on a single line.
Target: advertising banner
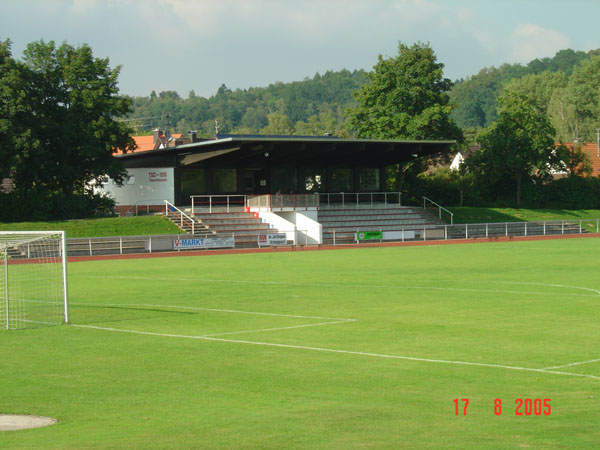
[(202, 243), (369, 235), (265, 240)]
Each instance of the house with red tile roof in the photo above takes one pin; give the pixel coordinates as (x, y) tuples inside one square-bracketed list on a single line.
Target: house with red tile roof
[(159, 140), (592, 150)]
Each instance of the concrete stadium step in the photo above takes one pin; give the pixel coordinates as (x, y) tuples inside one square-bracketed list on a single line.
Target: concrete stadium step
[(365, 222), (234, 221), (244, 226), (345, 222), (228, 216)]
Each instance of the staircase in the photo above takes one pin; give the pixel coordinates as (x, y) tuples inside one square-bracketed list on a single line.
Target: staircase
[(184, 222), (344, 223), (245, 226)]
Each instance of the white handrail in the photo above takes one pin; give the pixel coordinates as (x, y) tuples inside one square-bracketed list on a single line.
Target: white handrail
[(354, 198), (440, 209), (228, 202), (170, 207), (145, 202)]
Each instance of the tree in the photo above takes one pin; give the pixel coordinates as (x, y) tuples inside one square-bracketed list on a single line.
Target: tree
[(405, 98), (12, 105), (64, 135), (582, 91), (516, 147), (279, 124), (538, 88)]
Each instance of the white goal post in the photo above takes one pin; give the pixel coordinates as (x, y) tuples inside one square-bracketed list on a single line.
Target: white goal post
[(33, 279)]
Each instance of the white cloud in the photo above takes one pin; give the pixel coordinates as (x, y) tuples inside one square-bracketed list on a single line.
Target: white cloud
[(529, 41)]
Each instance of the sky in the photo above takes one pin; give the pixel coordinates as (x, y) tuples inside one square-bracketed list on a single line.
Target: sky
[(185, 45)]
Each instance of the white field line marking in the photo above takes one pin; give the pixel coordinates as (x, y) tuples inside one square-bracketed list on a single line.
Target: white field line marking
[(195, 308), (347, 352), (236, 311), (553, 285), (331, 320), (281, 328), (573, 364), (349, 285)]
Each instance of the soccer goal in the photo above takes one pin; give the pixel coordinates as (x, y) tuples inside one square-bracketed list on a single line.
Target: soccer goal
[(33, 279)]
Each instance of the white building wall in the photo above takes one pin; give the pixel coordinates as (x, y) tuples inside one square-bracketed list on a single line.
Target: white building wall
[(144, 186), (300, 227)]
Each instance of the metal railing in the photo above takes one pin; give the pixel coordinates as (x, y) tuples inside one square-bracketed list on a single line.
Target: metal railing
[(283, 202), (153, 202), (180, 218), (440, 209), (211, 203), (123, 245), (491, 231), (358, 199)]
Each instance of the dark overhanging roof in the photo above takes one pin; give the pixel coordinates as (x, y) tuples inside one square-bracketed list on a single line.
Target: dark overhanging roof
[(243, 150)]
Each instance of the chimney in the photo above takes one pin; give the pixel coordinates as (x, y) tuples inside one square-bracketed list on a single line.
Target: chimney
[(193, 136), (157, 134)]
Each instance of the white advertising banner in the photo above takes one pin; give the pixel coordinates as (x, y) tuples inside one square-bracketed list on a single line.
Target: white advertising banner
[(203, 243), (265, 240)]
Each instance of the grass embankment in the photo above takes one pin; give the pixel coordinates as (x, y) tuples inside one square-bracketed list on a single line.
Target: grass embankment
[(494, 215), (111, 226)]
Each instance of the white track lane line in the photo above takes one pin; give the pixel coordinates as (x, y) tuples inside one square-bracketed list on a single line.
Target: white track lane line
[(347, 352)]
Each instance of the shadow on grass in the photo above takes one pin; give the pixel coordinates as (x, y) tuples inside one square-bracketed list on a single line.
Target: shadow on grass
[(90, 314)]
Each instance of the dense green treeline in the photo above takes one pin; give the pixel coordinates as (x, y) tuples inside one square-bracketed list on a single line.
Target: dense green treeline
[(312, 106), (476, 97), (316, 105)]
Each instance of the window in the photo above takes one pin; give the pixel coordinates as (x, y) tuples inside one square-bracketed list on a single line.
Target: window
[(340, 180), (193, 181), (284, 180), (368, 179), (313, 180), (224, 181)]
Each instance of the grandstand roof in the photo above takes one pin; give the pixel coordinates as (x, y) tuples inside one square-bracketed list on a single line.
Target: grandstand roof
[(247, 149)]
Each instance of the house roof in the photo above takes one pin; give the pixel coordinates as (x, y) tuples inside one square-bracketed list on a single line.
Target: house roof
[(593, 151), (146, 143)]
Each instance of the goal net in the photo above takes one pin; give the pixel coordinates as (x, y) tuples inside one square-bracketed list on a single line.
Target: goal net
[(33, 279)]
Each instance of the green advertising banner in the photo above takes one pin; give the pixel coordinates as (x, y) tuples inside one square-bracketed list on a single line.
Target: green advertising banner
[(369, 235)]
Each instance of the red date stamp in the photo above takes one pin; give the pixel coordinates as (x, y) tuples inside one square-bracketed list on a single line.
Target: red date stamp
[(523, 406)]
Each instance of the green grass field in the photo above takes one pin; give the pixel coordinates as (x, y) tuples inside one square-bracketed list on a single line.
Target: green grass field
[(360, 348)]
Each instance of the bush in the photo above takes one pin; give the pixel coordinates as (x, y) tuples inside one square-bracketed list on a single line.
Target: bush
[(570, 193), (42, 206)]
